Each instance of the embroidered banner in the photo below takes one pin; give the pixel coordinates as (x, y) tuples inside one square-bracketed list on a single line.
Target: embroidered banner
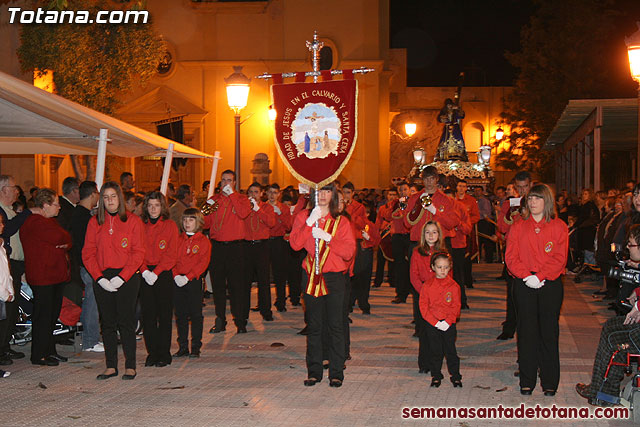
[(316, 128)]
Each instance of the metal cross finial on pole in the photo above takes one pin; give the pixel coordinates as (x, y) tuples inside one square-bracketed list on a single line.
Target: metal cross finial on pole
[(315, 46)]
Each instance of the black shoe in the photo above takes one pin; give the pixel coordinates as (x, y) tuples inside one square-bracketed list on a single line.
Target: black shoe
[(268, 317), (398, 300), (107, 376), (526, 391), (181, 353), (219, 326), (335, 383), (550, 393), (367, 311), (130, 376), (583, 390), (309, 382), (504, 336), (296, 303), (281, 309), (423, 371), (59, 358), (194, 354), (304, 331), (255, 308), (207, 294), (12, 354), (151, 361), (435, 383), (4, 361), (242, 329), (162, 363), (469, 286), (46, 361), (457, 383)]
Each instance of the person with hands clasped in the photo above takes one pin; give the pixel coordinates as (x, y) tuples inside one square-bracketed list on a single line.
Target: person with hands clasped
[(536, 256), (113, 251), (440, 307), (156, 289), (194, 253)]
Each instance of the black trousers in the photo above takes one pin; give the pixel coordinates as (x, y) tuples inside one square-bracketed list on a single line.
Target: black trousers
[(157, 316), (329, 309), (188, 305), (423, 342), (294, 274), (8, 325), (538, 332), (510, 322), (278, 259), (401, 254), (443, 344), (257, 265), (380, 261), (118, 314), (361, 280), (47, 301), (485, 227), (346, 309), (227, 274), (458, 255)]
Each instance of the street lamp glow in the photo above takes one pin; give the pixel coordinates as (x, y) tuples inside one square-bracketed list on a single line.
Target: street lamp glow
[(484, 154), (418, 155), (237, 89), (410, 128), (499, 134), (633, 49), (272, 113)]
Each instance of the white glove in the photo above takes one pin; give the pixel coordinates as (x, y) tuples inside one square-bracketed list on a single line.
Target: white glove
[(291, 209), (255, 207), (211, 202), (431, 209), (532, 281), (181, 280), (277, 210), (319, 233), (442, 325), (303, 188), (315, 215), (116, 282), (150, 277), (366, 236), (227, 189), (106, 285)]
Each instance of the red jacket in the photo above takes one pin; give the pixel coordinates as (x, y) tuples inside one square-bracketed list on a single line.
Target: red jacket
[(358, 214), (226, 223), (124, 249), (543, 253), (446, 215), (462, 230), (440, 300), (471, 205), (374, 235), (342, 246), (397, 218), (193, 255), (44, 263), (420, 270), (161, 244), (257, 224), (507, 217), (283, 221)]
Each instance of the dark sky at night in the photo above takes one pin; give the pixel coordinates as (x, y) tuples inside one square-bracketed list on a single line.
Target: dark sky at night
[(443, 38)]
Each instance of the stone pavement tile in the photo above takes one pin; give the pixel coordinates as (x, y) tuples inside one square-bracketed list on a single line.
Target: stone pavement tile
[(243, 380)]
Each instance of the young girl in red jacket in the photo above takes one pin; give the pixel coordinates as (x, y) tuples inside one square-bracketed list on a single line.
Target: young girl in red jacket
[(194, 252), (440, 307), (156, 291), (431, 241)]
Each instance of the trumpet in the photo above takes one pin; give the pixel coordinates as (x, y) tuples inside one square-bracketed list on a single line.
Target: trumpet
[(402, 203), (425, 201), (207, 208)]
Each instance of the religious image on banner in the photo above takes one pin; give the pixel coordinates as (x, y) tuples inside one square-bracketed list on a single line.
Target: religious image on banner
[(316, 131)]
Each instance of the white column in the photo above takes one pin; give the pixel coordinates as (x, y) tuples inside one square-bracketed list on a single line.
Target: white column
[(214, 172), (167, 170), (102, 156)]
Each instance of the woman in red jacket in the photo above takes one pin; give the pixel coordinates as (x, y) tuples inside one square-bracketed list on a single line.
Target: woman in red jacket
[(324, 292), (113, 251), (45, 244), (194, 254), (156, 291), (536, 256), (431, 241)]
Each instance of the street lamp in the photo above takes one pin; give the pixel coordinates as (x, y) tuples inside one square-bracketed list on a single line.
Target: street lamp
[(633, 49), (272, 113), (410, 128), (418, 155), (484, 155), (499, 134), (237, 94)]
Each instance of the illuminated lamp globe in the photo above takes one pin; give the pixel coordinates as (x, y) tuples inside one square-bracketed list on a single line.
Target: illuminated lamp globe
[(237, 89), (410, 128)]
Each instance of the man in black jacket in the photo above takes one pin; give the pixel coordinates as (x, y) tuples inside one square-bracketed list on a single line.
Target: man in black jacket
[(68, 201)]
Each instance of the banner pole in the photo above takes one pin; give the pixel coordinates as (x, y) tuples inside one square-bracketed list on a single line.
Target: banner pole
[(214, 171), (317, 240)]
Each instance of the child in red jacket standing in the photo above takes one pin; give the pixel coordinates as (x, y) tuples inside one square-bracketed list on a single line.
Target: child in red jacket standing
[(440, 307), (194, 253)]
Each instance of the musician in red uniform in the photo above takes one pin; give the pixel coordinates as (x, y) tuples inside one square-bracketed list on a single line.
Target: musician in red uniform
[(113, 251), (156, 290), (279, 249), (473, 213), (256, 235), (194, 254), (227, 232), (536, 256), (508, 215), (384, 227), (324, 292), (367, 239), (400, 245), (459, 246)]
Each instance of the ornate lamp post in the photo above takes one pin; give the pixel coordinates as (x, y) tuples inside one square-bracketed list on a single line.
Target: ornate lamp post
[(418, 155), (499, 134), (633, 49), (237, 94)]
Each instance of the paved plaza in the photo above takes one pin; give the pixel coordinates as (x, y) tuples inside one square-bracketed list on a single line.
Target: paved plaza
[(256, 378)]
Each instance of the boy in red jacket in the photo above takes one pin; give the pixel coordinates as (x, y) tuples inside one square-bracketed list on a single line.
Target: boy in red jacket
[(440, 307), (194, 253)]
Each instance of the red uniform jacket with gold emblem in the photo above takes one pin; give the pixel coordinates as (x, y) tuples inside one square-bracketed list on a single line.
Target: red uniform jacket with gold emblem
[(463, 229), (446, 215), (342, 246), (283, 221), (440, 300), (374, 235), (124, 248), (397, 218), (538, 248), (226, 224), (258, 224), (161, 244), (194, 255)]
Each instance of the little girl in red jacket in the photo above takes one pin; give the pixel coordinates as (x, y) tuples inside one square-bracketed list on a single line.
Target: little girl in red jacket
[(194, 253), (440, 307)]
